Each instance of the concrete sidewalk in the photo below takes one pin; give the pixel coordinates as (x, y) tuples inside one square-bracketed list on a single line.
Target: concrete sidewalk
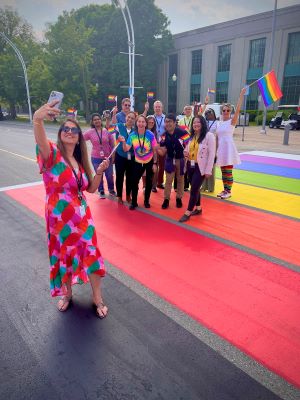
[(271, 141)]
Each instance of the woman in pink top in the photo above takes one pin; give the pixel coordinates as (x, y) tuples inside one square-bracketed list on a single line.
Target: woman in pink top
[(102, 145)]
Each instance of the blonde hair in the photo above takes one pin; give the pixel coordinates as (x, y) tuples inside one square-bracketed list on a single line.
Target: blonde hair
[(228, 105)]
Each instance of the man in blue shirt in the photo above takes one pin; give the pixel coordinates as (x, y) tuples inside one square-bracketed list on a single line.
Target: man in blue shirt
[(121, 116)]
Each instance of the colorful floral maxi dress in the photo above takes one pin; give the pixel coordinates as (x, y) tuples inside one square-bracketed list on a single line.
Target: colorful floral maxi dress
[(72, 241)]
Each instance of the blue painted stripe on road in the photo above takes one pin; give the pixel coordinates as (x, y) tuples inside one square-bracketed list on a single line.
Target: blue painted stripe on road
[(269, 169)]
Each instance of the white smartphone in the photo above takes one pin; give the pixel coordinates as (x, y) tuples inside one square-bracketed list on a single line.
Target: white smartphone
[(56, 96)]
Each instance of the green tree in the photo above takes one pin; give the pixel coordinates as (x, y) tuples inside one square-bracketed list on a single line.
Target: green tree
[(109, 37), (70, 56)]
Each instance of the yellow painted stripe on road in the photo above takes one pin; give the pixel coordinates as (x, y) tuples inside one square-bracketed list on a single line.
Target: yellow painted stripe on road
[(264, 199), (18, 155)]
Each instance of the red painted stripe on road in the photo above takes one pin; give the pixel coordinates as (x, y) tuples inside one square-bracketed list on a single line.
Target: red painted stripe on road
[(249, 301), (270, 234)]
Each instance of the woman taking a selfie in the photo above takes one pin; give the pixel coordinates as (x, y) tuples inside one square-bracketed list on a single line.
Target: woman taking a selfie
[(72, 242)]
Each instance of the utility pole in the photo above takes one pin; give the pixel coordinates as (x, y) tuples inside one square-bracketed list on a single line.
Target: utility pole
[(263, 128)]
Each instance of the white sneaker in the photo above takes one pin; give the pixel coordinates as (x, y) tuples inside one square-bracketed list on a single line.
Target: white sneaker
[(221, 194), (226, 195)]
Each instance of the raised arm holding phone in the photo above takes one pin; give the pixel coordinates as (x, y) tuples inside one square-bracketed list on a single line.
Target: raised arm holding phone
[(74, 255)]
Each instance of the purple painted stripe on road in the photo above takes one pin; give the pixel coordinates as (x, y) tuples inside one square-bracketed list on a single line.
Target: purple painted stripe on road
[(271, 160)]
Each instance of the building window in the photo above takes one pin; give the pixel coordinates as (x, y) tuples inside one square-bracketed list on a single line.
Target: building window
[(252, 98), (195, 92), (291, 90), (224, 58), (172, 86), (222, 92), (173, 65), (196, 62), (293, 54), (257, 53)]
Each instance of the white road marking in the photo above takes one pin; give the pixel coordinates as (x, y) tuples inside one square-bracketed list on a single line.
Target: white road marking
[(22, 185), (18, 155)]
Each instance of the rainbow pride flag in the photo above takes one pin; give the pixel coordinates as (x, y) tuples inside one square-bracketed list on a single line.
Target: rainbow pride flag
[(112, 98), (211, 91), (150, 95), (111, 129), (185, 138), (269, 88)]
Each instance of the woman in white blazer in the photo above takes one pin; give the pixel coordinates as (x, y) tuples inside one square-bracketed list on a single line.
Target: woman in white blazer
[(200, 154)]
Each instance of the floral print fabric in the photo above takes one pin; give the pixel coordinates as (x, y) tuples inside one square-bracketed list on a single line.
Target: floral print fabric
[(72, 241)]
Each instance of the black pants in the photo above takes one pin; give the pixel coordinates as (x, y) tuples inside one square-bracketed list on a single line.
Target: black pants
[(196, 180), (123, 165), (138, 170)]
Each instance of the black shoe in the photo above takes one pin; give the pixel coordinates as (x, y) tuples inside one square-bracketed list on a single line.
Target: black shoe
[(154, 190), (165, 204), (147, 204), (131, 207), (196, 212), (178, 203), (162, 186), (184, 218), (186, 189)]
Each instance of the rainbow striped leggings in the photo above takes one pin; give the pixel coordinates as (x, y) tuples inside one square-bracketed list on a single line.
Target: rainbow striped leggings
[(227, 177)]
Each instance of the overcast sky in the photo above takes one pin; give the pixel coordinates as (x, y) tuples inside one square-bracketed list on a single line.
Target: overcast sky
[(184, 15)]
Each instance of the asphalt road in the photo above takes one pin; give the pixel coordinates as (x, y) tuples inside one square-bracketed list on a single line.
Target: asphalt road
[(145, 349)]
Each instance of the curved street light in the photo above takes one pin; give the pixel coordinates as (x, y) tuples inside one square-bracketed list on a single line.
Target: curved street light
[(131, 47), (19, 55)]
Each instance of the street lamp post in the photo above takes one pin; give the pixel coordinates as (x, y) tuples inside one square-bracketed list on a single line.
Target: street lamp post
[(19, 55), (263, 128), (131, 47)]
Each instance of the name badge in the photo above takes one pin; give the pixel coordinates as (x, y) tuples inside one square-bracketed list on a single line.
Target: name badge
[(174, 161), (193, 163), (129, 156), (101, 154), (82, 210)]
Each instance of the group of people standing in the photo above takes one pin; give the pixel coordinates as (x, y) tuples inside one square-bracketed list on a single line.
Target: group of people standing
[(152, 146), (159, 146)]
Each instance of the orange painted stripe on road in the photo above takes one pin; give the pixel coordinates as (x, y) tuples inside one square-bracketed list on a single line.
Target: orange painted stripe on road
[(270, 234)]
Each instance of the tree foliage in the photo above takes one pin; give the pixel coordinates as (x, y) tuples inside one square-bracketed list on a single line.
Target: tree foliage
[(12, 83), (81, 54)]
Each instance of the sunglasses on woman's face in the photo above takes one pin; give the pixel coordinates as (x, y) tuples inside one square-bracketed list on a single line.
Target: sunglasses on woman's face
[(73, 130), (227, 111)]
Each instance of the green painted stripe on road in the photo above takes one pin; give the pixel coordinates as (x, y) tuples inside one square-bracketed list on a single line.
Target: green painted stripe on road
[(273, 182)]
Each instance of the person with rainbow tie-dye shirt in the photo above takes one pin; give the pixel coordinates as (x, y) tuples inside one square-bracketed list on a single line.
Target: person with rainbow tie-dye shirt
[(144, 146)]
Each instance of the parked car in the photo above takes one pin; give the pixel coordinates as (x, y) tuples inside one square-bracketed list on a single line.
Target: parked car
[(293, 120), (276, 121)]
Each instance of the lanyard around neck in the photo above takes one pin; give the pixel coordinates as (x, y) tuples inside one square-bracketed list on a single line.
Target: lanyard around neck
[(99, 137), (160, 123), (79, 181), (142, 146)]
